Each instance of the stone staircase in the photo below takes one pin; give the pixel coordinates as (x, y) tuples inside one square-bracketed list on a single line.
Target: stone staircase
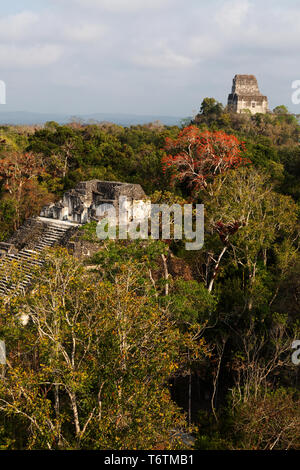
[(28, 260)]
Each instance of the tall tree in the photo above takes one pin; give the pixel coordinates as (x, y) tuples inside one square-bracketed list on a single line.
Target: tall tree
[(196, 157), (90, 369), (18, 171)]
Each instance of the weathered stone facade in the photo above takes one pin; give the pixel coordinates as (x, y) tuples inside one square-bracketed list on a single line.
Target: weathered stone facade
[(58, 225), (80, 204), (245, 94)]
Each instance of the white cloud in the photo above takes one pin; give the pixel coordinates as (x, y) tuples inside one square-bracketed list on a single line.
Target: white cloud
[(15, 27), (232, 14), (114, 49), (123, 5), (84, 32), (31, 56), (162, 59), (204, 46), (31, 28)]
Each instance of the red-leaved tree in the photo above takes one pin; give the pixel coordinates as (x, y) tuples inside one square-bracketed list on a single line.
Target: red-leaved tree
[(197, 156)]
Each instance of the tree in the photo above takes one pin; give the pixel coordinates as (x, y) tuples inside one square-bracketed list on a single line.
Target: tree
[(281, 110), (211, 106), (269, 421), (90, 368), (256, 215), (18, 174), (197, 157)]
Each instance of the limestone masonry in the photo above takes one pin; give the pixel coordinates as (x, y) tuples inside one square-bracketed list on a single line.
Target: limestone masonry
[(57, 224), (245, 94), (80, 204)]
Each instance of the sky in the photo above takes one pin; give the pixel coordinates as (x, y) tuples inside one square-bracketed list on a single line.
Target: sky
[(157, 57)]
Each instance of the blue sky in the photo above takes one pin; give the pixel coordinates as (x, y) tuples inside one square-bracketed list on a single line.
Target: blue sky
[(144, 56)]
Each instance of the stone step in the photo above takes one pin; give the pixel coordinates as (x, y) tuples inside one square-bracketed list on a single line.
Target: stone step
[(57, 229), (30, 259)]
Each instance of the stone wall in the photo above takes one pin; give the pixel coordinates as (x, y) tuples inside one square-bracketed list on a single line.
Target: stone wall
[(245, 94), (80, 204)]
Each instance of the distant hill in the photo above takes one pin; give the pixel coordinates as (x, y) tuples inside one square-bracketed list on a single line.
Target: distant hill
[(24, 117)]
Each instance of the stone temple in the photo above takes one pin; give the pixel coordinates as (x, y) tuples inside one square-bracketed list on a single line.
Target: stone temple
[(80, 204), (245, 94), (57, 225)]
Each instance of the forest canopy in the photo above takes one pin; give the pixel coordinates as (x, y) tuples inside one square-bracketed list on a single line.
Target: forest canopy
[(144, 343)]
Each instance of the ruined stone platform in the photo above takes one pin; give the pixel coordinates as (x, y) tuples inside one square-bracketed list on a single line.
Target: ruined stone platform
[(80, 204)]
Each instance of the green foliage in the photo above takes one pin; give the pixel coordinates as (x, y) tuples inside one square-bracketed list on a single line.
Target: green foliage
[(114, 254), (228, 326), (7, 218), (281, 110), (191, 302), (105, 152), (90, 369), (210, 106), (88, 233)]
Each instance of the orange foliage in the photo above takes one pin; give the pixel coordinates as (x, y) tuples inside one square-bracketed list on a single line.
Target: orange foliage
[(197, 156)]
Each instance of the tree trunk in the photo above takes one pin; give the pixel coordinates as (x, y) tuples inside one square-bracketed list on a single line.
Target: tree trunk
[(72, 397), (166, 273), (211, 284)]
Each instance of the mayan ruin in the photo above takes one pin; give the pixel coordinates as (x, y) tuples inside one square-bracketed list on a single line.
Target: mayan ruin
[(55, 226), (149, 231), (245, 95), (80, 204)]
